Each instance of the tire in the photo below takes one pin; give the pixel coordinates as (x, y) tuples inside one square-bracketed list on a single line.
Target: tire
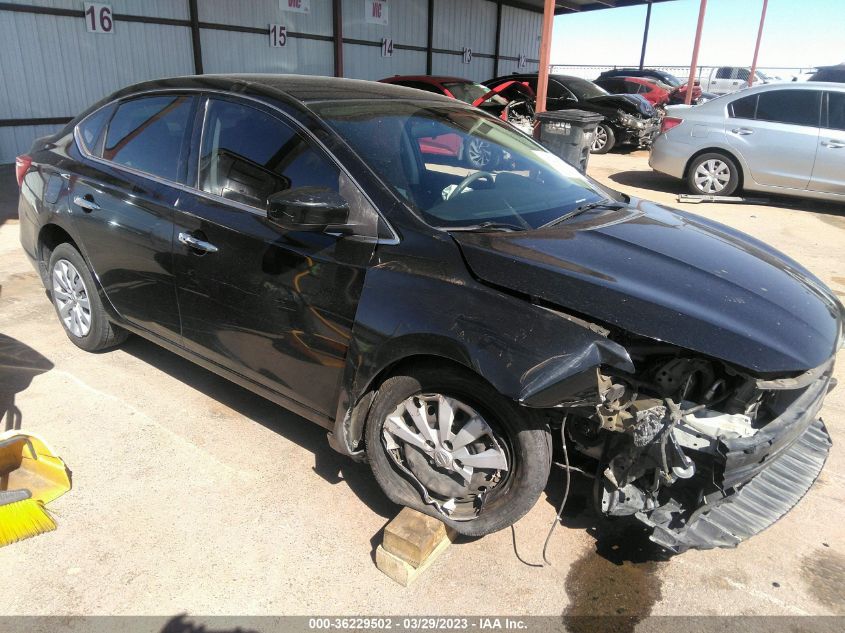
[(713, 174), (604, 139), (77, 303), (479, 154), (519, 436)]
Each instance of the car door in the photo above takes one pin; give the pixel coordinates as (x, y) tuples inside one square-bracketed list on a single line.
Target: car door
[(776, 133), (723, 80), (123, 198), (274, 305), (829, 168)]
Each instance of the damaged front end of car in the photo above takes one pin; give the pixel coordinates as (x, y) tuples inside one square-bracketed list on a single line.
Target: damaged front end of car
[(700, 451)]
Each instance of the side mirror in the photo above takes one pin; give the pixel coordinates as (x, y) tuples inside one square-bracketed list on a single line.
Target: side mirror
[(307, 209)]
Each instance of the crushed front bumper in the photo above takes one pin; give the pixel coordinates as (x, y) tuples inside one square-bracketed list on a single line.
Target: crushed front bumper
[(763, 476), (758, 503)]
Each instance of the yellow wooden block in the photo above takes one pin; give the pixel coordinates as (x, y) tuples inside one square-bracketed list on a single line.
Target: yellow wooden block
[(402, 572), (412, 536)]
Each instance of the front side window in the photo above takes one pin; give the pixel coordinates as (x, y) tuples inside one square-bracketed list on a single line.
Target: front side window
[(723, 73), (521, 186), (149, 133), (795, 107), (248, 155)]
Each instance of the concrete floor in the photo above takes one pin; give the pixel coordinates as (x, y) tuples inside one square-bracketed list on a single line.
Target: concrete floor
[(193, 495)]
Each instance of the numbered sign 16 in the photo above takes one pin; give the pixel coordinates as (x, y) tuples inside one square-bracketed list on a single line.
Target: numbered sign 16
[(467, 58), (278, 35), (387, 47), (98, 18)]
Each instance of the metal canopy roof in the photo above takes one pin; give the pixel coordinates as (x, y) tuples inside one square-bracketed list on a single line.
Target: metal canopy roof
[(576, 6)]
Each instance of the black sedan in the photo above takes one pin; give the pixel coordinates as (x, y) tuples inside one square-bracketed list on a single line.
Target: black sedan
[(628, 119), (451, 326)]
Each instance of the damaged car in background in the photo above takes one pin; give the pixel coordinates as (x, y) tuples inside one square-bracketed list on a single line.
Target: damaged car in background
[(457, 328), (629, 119)]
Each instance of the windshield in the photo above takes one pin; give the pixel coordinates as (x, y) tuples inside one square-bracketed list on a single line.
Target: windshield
[(457, 167), (469, 92), (670, 79), (583, 89)]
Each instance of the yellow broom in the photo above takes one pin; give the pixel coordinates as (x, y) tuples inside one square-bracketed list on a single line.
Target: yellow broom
[(30, 476), (22, 517)]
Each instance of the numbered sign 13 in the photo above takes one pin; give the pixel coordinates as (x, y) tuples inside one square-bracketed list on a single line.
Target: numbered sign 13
[(98, 18), (278, 35)]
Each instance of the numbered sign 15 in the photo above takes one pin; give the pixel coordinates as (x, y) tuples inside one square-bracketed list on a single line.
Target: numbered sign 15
[(98, 18), (387, 47), (278, 35)]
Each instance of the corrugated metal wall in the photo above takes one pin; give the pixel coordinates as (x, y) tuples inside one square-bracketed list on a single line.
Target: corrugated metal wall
[(407, 26), (52, 67)]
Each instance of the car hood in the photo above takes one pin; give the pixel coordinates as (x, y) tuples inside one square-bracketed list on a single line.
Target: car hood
[(673, 277), (630, 104)]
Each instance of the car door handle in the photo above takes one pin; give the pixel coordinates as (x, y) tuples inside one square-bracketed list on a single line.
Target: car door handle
[(87, 204), (742, 131), (834, 144), (189, 240)]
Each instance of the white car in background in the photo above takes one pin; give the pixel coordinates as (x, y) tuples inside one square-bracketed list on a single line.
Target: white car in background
[(784, 138)]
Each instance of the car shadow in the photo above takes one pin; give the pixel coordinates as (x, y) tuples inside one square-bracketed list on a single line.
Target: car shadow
[(328, 464), (661, 183), (19, 364)]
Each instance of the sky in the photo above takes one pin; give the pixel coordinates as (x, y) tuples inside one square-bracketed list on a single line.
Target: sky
[(798, 33)]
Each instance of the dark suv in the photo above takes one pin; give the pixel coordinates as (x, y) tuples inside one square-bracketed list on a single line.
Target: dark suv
[(451, 326)]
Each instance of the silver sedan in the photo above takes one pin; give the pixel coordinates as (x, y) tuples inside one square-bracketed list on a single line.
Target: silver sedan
[(776, 138)]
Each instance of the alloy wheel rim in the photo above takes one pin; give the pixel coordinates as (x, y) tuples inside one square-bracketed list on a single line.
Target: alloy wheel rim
[(599, 139), (456, 442), (71, 298), (712, 176), (479, 153)]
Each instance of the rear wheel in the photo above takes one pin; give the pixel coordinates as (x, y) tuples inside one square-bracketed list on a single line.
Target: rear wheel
[(445, 442), (713, 174), (77, 303), (603, 140)]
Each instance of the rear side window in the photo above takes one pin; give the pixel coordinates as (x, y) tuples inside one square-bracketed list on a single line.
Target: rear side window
[(419, 85), (745, 108), (723, 73), (91, 129), (836, 110), (796, 107), (149, 133), (248, 155)]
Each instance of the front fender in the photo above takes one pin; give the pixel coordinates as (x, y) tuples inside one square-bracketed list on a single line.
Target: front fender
[(524, 350)]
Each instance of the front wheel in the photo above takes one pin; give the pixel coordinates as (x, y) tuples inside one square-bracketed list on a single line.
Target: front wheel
[(713, 174), (603, 140), (77, 303), (443, 441)]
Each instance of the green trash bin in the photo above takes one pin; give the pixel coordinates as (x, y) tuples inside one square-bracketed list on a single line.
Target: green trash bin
[(569, 134)]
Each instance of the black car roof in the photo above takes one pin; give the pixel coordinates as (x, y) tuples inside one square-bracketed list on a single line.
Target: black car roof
[(304, 88)]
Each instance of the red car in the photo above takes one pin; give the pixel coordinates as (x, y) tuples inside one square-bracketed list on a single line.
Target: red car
[(476, 153), (656, 92), (652, 92)]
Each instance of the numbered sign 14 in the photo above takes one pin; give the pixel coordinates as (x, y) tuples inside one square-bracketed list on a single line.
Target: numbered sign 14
[(387, 47), (278, 35), (98, 18)]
